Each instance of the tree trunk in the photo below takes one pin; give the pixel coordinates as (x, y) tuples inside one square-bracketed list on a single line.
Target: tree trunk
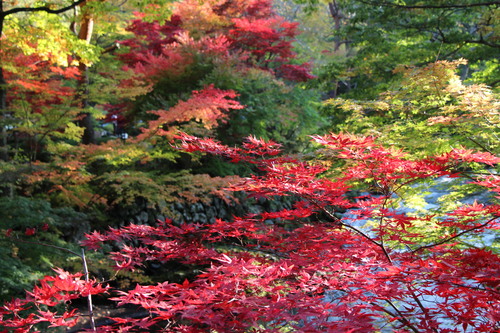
[(3, 109), (87, 121), (3, 96), (337, 16)]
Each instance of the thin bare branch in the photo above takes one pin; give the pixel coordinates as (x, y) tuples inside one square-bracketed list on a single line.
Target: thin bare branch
[(47, 245), (446, 240), (431, 6), (402, 317), (89, 297), (40, 9), (339, 222)]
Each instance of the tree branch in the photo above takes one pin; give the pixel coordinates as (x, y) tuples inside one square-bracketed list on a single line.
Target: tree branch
[(361, 233), (397, 316), (481, 41), (40, 9), (47, 245), (455, 236), (420, 305), (89, 297), (401, 317), (446, 6), (111, 48), (485, 289)]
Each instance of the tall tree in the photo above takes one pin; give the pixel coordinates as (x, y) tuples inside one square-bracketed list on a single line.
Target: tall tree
[(384, 34), (54, 50), (61, 41), (228, 44), (6, 11)]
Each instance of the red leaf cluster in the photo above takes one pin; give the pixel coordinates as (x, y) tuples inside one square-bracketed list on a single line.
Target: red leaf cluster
[(330, 263), (236, 33), (209, 106), (18, 315), (41, 84)]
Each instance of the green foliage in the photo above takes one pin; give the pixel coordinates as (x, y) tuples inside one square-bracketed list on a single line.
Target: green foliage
[(15, 276), (273, 110), (20, 212), (126, 189), (22, 259), (429, 111), (316, 34), (487, 71), (172, 87), (10, 173), (219, 167), (128, 193), (371, 38)]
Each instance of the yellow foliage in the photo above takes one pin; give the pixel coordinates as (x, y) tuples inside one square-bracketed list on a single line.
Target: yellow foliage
[(49, 37), (430, 110), (198, 17)]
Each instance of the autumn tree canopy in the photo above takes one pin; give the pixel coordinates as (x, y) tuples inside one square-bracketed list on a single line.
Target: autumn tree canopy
[(249, 166)]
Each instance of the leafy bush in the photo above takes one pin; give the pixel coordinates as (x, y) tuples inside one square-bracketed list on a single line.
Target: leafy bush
[(24, 223)]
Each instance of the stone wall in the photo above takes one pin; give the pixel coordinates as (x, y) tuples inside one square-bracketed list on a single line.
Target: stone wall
[(205, 212)]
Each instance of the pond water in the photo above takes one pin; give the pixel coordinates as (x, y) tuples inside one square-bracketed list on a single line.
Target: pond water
[(433, 195)]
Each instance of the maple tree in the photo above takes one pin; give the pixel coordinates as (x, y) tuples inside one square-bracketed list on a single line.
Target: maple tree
[(203, 44), (334, 262), (34, 36), (41, 106), (55, 34)]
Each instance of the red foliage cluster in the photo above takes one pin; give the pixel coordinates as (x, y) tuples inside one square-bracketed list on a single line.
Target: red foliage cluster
[(264, 37), (208, 105), (319, 266), (18, 315), (236, 33), (41, 84), (250, 28), (150, 38)]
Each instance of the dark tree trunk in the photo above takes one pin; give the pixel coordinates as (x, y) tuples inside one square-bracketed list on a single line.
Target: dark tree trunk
[(337, 16), (3, 109), (86, 121), (3, 96)]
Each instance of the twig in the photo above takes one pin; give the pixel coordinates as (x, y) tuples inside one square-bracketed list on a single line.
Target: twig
[(48, 245), (401, 317), (85, 272), (41, 9), (455, 236), (339, 222), (420, 305), (89, 297)]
